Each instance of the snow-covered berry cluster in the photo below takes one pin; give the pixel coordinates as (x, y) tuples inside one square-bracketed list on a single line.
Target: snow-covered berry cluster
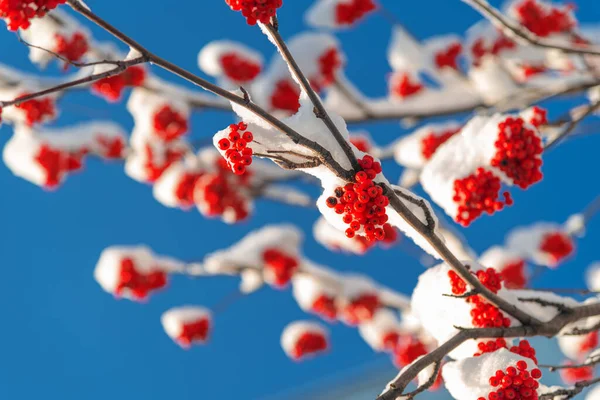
[(279, 267), (514, 383), (543, 243), (169, 124), (256, 10), (362, 203), (236, 149), (187, 325), (37, 110), (448, 57), (576, 374), (465, 175), (347, 13), (232, 62), (404, 85), (19, 13), (542, 18), (71, 48), (303, 339), (509, 264), (334, 14), (112, 87)]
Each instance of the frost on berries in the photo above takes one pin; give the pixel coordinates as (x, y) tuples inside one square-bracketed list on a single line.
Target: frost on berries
[(187, 325), (133, 272), (255, 251), (543, 243), (232, 62), (304, 339), (256, 10), (335, 14)]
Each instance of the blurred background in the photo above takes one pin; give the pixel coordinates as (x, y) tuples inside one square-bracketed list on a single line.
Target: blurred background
[(64, 338)]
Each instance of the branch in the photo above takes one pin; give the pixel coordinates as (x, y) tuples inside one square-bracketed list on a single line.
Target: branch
[(548, 329), (576, 116), (320, 110), (595, 360), (566, 394), (520, 33)]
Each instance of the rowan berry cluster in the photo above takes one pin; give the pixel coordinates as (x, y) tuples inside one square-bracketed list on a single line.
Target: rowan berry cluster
[(111, 148), (544, 19), (513, 275), (448, 58), (237, 152), (329, 64), (518, 152), (408, 348), (36, 110), (138, 283), (309, 343), (576, 374), (325, 307), (361, 308), (286, 96), (362, 203), (56, 163), (402, 85), (557, 245), (19, 13), (346, 13), (479, 49), (431, 142), (256, 10), (239, 69), (169, 124), (280, 265), (192, 332), (523, 349), (111, 88), (154, 168), (514, 383), (72, 49), (476, 194)]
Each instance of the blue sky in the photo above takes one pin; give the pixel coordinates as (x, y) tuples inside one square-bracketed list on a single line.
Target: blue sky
[(64, 338)]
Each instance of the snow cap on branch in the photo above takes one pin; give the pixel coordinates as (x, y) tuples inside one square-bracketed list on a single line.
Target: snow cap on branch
[(304, 339)]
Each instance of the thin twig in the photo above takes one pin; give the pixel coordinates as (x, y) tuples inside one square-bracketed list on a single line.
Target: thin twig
[(577, 116)]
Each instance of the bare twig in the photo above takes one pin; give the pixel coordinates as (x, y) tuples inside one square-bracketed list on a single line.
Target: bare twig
[(565, 394), (590, 363), (521, 34), (577, 115)]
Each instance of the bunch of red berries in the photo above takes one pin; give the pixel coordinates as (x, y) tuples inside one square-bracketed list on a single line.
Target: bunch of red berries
[(478, 193), (523, 349), (111, 148), (407, 350), (557, 245), (589, 343), (329, 64), (513, 275), (362, 203), (515, 383), (237, 152), (448, 58), (138, 283), (154, 169), (256, 10), (286, 96), (72, 49), (402, 86), (544, 20), (325, 307), (169, 124), (576, 374), (36, 110), (56, 163), (184, 190), (361, 309), (280, 265), (431, 142), (346, 13), (518, 152), (19, 13), (309, 343), (361, 143), (239, 69), (196, 331), (479, 49), (111, 88)]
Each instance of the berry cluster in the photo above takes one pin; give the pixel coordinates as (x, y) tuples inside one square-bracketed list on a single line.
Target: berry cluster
[(361, 143), (514, 383), (407, 350), (139, 284), (448, 58), (518, 152), (286, 96), (154, 169), (329, 64), (402, 86), (537, 116), (431, 142), (19, 13), (194, 332), (589, 343), (238, 68), (71, 49), (557, 246), (36, 110), (56, 163), (256, 10), (325, 307), (544, 20), (361, 309), (309, 343), (346, 13), (280, 265), (476, 194), (237, 152), (459, 286), (479, 49), (184, 190), (111, 88), (111, 148), (169, 124), (221, 193), (513, 275), (523, 349), (363, 203), (529, 70), (578, 374), (389, 340)]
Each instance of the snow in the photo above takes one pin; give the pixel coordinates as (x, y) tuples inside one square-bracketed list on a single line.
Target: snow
[(373, 331), (293, 331), (526, 241), (468, 379), (209, 58), (592, 276), (492, 82), (575, 225), (405, 53), (498, 257), (335, 239), (174, 319)]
